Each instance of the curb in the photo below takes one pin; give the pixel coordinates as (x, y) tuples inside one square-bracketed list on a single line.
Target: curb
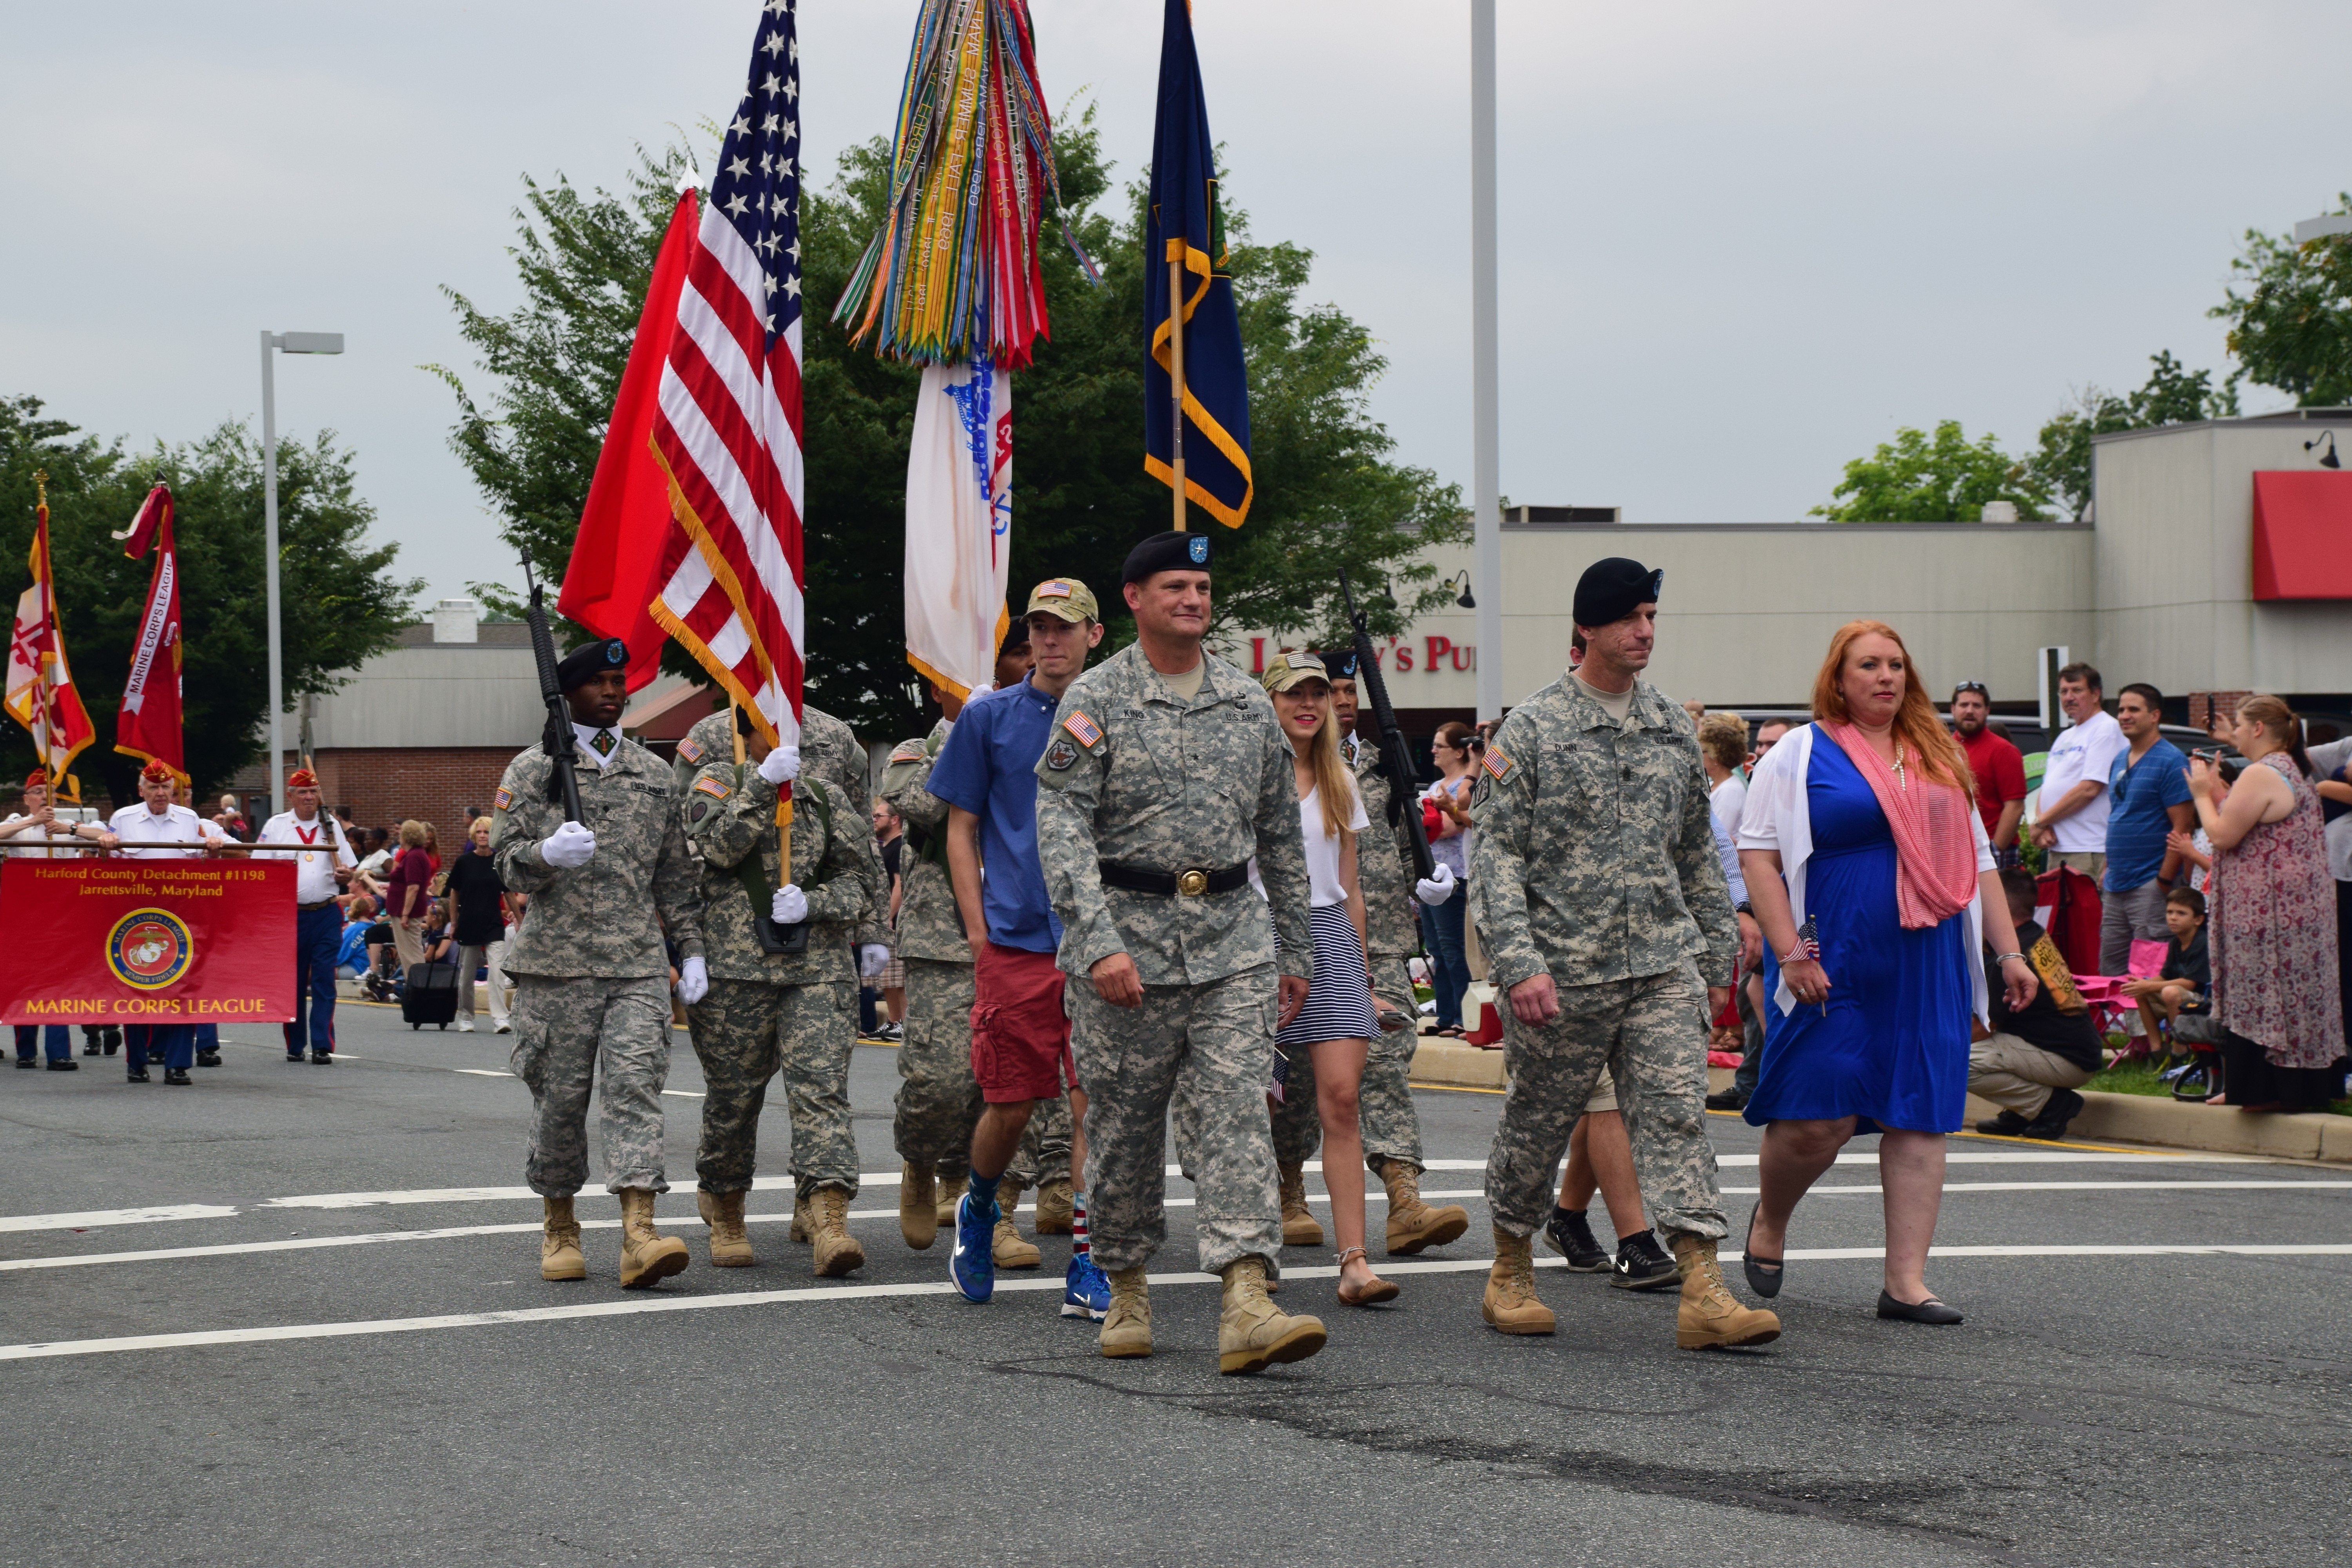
[(2106, 1118)]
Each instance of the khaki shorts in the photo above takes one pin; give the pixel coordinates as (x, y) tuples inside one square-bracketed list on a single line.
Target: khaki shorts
[(1604, 1093)]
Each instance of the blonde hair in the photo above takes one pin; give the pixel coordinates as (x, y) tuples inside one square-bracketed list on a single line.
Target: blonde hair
[(1333, 782), (1723, 737), (2279, 721), (483, 822), (1916, 725)]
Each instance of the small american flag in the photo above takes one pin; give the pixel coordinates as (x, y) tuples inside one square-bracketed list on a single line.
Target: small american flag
[(729, 425), (1809, 939)]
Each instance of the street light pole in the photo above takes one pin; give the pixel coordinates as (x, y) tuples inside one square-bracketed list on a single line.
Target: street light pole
[(292, 344), (1485, 397)]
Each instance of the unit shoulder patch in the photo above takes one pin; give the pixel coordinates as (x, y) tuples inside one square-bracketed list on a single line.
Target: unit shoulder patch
[(1085, 729), (1060, 755), (503, 799)]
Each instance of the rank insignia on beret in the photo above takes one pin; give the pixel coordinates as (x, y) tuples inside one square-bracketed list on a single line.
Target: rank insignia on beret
[(503, 799), (690, 749), (1495, 761), (1084, 728), (1197, 547), (908, 752), (710, 787), (1061, 755)]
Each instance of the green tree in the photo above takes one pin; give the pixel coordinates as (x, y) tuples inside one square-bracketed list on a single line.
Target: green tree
[(1328, 493), (1942, 478), (2173, 394), (340, 605), (2292, 328)]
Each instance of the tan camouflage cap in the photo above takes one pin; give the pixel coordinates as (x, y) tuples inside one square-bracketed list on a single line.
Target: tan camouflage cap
[(1064, 596)]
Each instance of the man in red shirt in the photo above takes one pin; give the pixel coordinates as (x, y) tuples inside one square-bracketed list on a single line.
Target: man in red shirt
[(2000, 770)]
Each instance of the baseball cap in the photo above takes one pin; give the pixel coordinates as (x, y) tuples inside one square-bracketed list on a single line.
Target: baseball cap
[(1290, 668), (1064, 596)]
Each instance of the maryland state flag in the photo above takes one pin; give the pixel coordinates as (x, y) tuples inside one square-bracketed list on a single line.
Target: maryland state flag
[(41, 695), (1186, 226), (148, 725)]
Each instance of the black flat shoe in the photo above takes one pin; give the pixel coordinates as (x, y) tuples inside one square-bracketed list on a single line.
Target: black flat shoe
[(136, 1074), (177, 1076), (322, 1058), (208, 1059), (1927, 1311), (293, 1056), (28, 1061), (1764, 1273), (65, 1064)]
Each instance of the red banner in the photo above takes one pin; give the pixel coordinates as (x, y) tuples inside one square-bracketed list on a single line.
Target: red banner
[(134, 940)]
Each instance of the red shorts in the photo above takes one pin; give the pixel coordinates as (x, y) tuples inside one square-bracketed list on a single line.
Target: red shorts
[(1020, 1035)]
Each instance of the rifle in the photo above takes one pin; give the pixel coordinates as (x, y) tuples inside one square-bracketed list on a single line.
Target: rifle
[(1396, 756), (563, 783)]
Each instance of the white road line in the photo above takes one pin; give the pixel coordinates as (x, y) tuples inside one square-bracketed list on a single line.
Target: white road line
[(824, 1293), (95, 1217), (482, 1072)]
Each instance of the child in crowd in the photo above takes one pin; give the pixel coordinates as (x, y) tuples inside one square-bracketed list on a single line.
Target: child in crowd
[(2181, 994)]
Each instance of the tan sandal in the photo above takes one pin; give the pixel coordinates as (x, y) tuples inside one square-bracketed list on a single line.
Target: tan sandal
[(1371, 1295)]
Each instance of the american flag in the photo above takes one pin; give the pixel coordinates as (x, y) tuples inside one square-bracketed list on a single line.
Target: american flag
[(729, 425)]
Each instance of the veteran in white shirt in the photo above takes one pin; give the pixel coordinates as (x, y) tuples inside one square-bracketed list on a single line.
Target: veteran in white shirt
[(318, 918), (157, 829)]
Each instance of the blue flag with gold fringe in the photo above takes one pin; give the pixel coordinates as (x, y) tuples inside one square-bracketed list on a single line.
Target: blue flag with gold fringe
[(1185, 226)]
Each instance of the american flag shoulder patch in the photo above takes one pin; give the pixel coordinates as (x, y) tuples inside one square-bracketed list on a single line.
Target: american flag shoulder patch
[(711, 787), (503, 799), (690, 749), (1495, 762), (1082, 729), (908, 752)]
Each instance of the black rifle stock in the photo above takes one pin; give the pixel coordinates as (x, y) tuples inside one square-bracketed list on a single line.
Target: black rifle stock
[(1396, 755), (563, 783)]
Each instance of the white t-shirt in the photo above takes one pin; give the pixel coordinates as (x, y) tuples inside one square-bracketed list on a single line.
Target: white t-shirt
[(137, 825), (2088, 751), (1322, 849), (1727, 800)]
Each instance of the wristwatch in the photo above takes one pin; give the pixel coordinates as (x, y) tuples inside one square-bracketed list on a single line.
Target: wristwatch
[(1744, 907)]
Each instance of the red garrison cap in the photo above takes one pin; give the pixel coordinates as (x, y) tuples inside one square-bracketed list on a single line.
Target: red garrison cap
[(37, 779), (302, 778), (156, 771)]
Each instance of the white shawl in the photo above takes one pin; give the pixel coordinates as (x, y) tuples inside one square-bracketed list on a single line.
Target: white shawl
[(1779, 817)]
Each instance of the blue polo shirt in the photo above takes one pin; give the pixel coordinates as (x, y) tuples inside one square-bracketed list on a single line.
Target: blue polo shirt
[(2136, 823), (989, 768)]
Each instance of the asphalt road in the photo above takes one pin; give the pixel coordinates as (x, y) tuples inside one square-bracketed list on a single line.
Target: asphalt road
[(336, 1236)]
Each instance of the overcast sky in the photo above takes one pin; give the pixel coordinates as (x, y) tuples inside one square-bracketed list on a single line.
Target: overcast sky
[(1742, 243)]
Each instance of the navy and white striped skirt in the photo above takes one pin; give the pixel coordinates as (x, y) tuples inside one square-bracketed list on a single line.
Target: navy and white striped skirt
[(1339, 997)]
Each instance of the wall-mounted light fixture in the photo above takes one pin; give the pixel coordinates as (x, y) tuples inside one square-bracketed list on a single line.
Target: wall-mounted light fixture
[(2327, 459), (1462, 580)]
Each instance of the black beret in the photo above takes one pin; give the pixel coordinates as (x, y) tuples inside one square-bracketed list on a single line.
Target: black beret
[(589, 660), (1613, 589), (1340, 663), (1170, 552)]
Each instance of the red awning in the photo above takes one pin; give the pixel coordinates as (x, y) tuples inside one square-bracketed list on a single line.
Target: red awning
[(2302, 534)]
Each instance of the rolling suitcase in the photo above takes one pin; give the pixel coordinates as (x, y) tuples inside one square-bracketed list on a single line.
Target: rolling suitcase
[(431, 997)]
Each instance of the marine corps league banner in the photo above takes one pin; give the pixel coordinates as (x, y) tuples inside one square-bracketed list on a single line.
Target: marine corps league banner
[(130, 940)]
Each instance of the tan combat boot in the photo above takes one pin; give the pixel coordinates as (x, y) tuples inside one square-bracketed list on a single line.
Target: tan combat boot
[(1126, 1326), (804, 1217), (1413, 1225), (950, 1186), (646, 1255), (1710, 1316), (1511, 1305), (1299, 1226), (918, 1201), (559, 1248), (723, 1212), (1252, 1333), (1006, 1246), (836, 1251), (1055, 1207)]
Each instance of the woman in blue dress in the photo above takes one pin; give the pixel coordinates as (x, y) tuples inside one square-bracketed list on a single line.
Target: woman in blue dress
[(1869, 872)]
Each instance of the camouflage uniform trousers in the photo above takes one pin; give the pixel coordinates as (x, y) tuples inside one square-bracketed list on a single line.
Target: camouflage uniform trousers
[(1207, 1049), (1652, 1033), (746, 1031), (1384, 1113), (939, 1100), (569, 1031)]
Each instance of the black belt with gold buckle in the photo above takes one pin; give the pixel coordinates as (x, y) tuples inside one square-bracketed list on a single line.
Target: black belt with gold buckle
[(1192, 883)]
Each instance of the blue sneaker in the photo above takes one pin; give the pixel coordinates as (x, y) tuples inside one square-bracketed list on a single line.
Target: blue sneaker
[(1086, 1293), (972, 1265)]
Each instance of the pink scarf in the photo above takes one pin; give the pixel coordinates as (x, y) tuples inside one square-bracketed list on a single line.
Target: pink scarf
[(1935, 850)]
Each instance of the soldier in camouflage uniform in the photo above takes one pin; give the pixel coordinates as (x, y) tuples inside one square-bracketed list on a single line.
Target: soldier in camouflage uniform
[(796, 1011), (1165, 773), (1595, 884), (592, 980)]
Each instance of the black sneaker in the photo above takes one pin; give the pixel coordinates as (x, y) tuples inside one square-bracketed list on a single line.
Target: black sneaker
[(208, 1059), (294, 1055), (136, 1074), (1732, 1099), (1570, 1233), (2064, 1106), (2008, 1124), (28, 1061), (178, 1076), (322, 1058), (1642, 1265), (65, 1064)]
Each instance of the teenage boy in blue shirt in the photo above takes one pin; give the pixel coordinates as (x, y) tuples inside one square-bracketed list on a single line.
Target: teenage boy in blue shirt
[(2147, 789), (987, 772)]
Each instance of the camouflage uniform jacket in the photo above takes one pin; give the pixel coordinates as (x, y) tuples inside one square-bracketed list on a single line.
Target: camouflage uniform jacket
[(1384, 862), (829, 751), (1135, 775), (1595, 859), (929, 925), (835, 864), (598, 920)]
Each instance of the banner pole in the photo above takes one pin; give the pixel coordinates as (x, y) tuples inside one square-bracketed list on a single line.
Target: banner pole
[(1176, 374)]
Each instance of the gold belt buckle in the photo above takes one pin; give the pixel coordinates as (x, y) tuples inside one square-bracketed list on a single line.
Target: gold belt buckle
[(1191, 884)]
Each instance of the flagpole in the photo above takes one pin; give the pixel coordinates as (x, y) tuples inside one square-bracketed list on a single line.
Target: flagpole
[(1176, 372), (48, 613)]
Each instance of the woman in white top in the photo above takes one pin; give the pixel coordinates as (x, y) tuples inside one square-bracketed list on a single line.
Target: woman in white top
[(1338, 1023)]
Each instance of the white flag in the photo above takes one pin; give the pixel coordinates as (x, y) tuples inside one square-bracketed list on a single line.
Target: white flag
[(958, 524)]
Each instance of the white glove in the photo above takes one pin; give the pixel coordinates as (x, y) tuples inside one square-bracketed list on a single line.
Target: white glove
[(872, 959), (568, 847), (693, 981), (789, 907), (781, 765), (1435, 890)]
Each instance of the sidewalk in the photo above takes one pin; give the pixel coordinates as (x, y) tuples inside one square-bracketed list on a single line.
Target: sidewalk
[(2106, 1119)]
